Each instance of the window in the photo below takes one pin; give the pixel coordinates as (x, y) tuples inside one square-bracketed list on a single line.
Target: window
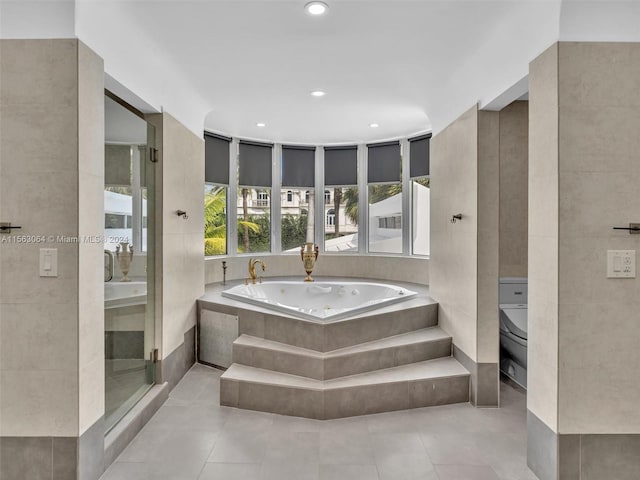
[(394, 222), (216, 173), (114, 220), (385, 197), (253, 205), (420, 194), (262, 199), (341, 218), (396, 213), (215, 220), (254, 220), (297, 175), (122, 197), (294, 224), (331, 217)]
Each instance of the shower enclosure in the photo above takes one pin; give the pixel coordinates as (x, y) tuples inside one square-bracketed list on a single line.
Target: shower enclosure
[(129, 247)]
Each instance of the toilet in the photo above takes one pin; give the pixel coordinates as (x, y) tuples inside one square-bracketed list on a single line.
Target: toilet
[(513, 328)]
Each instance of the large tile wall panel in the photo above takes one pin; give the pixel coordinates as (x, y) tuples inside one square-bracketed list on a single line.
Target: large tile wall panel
[(599, 120), (543, 365), (454, 255), (39, 191), (514, 201), (181, 247), (90, 226), (488, 241)]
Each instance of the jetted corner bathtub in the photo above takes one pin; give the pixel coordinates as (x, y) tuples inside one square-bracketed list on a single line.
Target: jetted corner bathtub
[(124, 294), (320, 301)]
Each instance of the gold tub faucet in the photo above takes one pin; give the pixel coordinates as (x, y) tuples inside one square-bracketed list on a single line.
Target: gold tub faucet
[(252, 270)]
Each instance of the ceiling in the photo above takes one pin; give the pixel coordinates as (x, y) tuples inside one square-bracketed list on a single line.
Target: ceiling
[(408, 65), (398, 63)]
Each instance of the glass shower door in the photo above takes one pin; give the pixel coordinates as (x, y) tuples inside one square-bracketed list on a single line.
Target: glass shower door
[(129, 199)]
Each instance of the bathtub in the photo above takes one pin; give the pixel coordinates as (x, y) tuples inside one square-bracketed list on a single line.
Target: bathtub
[(320, 301), (124, 294)]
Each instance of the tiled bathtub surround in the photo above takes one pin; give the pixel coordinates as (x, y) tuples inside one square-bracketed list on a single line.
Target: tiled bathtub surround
[(412, 314), (381, 267), (393, 358), (173, 367)]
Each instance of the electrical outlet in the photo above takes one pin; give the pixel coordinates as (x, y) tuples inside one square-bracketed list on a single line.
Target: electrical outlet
[(621, 264)]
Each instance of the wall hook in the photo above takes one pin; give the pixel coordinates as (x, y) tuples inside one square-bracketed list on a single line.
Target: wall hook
[(458, 216), (183, 214)]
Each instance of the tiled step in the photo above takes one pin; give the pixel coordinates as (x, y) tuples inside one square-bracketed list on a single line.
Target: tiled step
[(411, 347), (434, 382), (413, 314)]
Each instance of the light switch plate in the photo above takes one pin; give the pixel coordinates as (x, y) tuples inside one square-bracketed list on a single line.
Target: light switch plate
[(48, 262), (621, 264)]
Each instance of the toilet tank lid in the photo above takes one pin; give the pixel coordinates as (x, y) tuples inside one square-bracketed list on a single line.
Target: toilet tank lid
[(513, 279), (516, 321)]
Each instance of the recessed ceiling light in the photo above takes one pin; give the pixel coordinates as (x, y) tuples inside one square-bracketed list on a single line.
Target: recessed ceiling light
[(316, 8), (374, 125), (261, 124), (318, 93)]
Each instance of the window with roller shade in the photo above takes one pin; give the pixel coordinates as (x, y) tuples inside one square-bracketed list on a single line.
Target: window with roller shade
[(339, 209), (298, 178), (420, 194), (216, 176), (384, 175), (341, 199), (255, 162)]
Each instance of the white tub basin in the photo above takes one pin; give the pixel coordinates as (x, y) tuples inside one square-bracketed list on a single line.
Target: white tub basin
[(320, 301), (124, 294)]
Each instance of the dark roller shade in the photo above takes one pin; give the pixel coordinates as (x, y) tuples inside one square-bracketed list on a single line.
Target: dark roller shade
[(419, 156), (298, 166), (384, 162), (254, 164), (216, 159), (341, 166)]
